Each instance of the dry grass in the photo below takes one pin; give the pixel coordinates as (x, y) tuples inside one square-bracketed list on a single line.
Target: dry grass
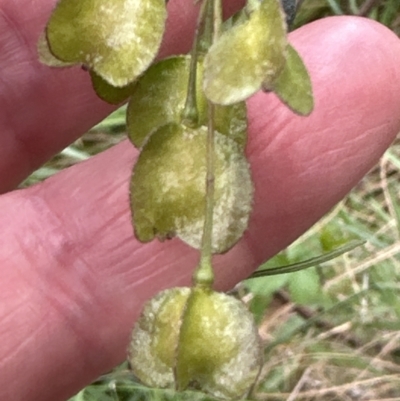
[(346, 347)]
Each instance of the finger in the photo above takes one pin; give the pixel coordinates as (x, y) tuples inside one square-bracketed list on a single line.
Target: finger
[(82, 277), (43, 109)]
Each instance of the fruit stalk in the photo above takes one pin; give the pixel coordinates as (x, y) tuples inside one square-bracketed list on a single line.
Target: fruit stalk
[(190, 114), (204, 273)]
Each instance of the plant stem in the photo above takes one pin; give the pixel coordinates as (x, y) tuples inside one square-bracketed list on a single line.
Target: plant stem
[(335, 7), (217, 20), (367, 7), (204, 273), (190, 114)]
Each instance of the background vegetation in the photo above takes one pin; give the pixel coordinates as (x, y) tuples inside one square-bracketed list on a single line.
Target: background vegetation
[(331, 332)]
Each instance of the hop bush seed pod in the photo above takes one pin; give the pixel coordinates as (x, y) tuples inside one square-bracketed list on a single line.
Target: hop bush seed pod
[(117, 39), (187, 116), (167, 188), (196, 338)]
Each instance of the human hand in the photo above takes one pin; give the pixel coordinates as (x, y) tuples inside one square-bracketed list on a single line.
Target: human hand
[(73, 278)]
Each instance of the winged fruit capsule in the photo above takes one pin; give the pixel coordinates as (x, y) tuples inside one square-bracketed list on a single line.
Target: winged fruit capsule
[(117, 39), (167, 188), (196, 338)]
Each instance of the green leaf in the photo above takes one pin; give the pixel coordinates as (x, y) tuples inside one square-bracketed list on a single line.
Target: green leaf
[(305, 287), (246, 56), (168, 188), (118, 39), (110, 388), (159, 98), (266, 286), (332, 235), (110, 93), (307, 263), (293, 85)]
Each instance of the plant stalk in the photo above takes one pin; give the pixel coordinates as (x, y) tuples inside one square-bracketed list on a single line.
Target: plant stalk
[(190, 114), (204, 273)]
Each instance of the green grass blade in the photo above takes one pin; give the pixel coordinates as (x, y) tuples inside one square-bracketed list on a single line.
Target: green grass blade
[(307, 263), (390, 12), (334, 5)]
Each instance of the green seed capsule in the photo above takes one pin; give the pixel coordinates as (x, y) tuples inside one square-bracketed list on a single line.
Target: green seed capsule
[(196, 338), (168, 184)]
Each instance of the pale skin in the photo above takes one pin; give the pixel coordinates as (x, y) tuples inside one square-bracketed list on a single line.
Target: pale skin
[(72, 276)]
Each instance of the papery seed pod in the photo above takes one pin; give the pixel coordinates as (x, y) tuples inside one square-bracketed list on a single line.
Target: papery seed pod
[(196, 338), (245, 56), (159, 98), (155, 338), (293, 85), (117, 39), (168, 186)]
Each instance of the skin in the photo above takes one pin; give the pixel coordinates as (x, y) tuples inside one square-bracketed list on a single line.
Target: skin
[(73, 278)]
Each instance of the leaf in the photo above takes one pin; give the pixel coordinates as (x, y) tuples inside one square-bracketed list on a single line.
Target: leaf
[(118, 39), (293, 85), (110, 93), (266, 286), (246, 56), (307, 263), (113, 389), (159, 98), (168, 188), (305, 287)]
